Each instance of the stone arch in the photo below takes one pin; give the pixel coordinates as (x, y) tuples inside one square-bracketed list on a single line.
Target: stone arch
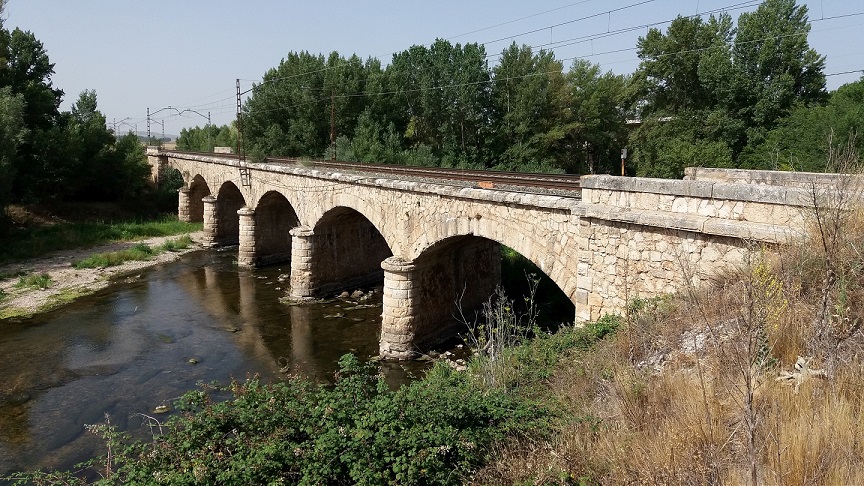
[(550, 256), (228, 201), (377, 215), (198, 190), (453, 276), (348, 251), (274, 218)]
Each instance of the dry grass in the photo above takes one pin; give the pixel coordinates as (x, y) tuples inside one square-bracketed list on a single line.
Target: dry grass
[(689, 393)]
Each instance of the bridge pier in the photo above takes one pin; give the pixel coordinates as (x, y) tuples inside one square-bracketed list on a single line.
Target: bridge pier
[(246, 255), (398, 313), (422, 298), (211, 222), (183, 213), (302, 244)]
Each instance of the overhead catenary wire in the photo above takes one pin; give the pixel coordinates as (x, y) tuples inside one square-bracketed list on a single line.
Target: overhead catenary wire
[(221, 107)]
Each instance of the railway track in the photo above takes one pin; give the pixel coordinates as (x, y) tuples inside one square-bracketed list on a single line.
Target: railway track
[(485, 179)]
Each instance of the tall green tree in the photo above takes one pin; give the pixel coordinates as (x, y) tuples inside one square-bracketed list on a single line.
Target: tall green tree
[(597, 119), (800, 140), (285, 114), (721, 85), (12, 131), (344, 86), (27, 72), (778, 67), (530, 103), (204, 139)]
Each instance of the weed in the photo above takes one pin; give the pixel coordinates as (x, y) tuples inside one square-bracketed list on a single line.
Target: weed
[(41, 281), (138, 252), (177, 244)]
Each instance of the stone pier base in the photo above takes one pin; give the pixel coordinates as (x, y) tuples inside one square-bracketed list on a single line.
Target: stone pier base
[(302, 245), (246, 256), (183, 213), (211, 222), (397, 319)]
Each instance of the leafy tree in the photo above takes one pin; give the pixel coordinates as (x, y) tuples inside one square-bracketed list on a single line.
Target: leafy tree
[(530, 101), (721, 85), (670, 78), (11, 133), (27, 72), (442, 98), (367, 145), (799, 142), (778, 67), (344, 86), (284, 115), (90, 164), (204, 139), (598, 130)]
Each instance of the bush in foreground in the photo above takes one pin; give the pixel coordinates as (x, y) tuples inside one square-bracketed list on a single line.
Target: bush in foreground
[(438, 430)]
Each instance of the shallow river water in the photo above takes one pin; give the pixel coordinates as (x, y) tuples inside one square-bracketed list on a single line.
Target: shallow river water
[(127, 350)]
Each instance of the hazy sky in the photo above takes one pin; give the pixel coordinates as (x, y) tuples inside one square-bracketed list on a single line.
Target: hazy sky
[(188, 53)]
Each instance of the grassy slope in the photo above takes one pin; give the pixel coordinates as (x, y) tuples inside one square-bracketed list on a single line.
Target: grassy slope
[(702, 388), (36, 241)]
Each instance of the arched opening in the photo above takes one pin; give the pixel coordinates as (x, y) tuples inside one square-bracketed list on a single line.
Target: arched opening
[(348, 251), (274, 218), (198, 190), (517, 274), (457, 275), (228, 202), (170, 181)]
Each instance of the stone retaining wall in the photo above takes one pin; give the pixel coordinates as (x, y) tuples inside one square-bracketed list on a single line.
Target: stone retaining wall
[(648, 237), (804, 180)]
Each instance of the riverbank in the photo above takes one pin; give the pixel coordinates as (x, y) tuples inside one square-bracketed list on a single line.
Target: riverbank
[(64, 283)]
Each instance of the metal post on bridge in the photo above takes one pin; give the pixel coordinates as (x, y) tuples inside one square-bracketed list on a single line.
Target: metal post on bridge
[(623, 158)]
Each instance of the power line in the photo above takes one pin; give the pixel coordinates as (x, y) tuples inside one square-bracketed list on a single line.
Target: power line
[(607, 12), (592, 37), (218, 107), (519, 19), (847, 72)]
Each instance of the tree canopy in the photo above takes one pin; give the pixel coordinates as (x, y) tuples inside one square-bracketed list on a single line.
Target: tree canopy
[(49, 155), (709, 91)]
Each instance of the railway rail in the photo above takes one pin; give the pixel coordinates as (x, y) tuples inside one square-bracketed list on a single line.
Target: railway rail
[(486, 179)]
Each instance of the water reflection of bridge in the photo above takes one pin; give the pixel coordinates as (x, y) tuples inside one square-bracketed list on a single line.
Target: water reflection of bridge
[(295, 339)]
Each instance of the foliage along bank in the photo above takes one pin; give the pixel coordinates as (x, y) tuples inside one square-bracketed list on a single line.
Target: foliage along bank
[(51, 156), (438, 430), (708, 92)]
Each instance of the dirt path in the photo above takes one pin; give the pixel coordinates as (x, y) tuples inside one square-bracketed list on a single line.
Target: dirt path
[(69, 283)]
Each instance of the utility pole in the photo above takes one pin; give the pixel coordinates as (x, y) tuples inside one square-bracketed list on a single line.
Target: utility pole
[(148, 125), (333, 121), (245, 175), (623, 157)]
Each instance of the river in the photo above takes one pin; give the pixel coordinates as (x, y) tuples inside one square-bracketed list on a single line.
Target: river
[(152, 336)]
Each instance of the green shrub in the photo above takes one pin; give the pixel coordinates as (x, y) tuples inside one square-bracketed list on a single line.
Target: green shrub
[(41, 281), (358, 431), (138, 252), (178, 244), (35, 242)]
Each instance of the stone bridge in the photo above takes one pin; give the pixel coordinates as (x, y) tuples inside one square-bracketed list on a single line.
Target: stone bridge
[(435, 245)]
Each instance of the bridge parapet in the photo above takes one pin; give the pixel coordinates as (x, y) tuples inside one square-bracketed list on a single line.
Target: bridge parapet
[(646, 237), (804, 180), (771, 214)]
